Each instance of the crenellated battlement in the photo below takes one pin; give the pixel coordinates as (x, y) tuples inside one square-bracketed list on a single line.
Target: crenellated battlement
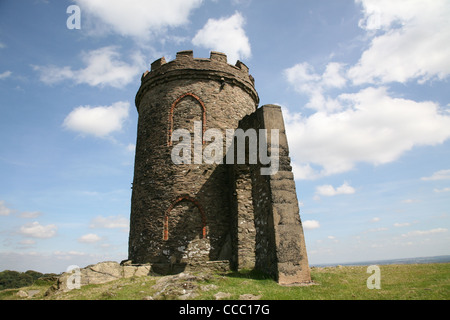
[(216, 67), (187, 56)]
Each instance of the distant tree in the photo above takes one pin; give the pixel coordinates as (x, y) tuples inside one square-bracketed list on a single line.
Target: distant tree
[(34, 274), (13, 279)]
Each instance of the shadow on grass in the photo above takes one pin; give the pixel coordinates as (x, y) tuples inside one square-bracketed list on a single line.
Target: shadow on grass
[(249, 274)]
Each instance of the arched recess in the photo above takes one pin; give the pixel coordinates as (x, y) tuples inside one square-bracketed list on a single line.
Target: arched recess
[(177, 201), (172, 108)]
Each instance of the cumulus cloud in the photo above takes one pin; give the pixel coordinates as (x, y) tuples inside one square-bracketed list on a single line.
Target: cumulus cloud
[(410, 201), (30, 214), (5, 74), (89, 238), (333, 76), (305, 79), (402, 224), (67, 255), (137, 18), (103, 67), (131, 147), (330, 191), (99, 121), (371, 127), (310, 224), (111, 222), (4, 210), (36, 230), (333, 239), (27, 242), (439, 175), (410, 41), (302, 76), (371, 124), (424, 232), (376, 229), (226, 35)]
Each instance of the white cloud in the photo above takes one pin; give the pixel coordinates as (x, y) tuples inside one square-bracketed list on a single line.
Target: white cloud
[(27, 242), (30, 214), (5, 75), (111, 222), (377, 229), (4, 210), (442, 190), (332, 77), (305, 80), (69, 255), (439, 175), (330, 191), (89, 238), (36, 230), (410, 41), (375, 219), (424, 232), (226, 35), (372, 127), (103, 68), (98, 121), (303, 171), (333, 238), (310, 224), (404, 224), (137, 18), (302, 76), (131, 147), (410, 201)]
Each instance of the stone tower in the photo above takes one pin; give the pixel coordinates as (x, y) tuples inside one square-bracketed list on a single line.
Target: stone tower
[(209, 214)]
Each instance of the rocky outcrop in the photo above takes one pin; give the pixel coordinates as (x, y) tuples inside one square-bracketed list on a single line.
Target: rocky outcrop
[(99, 273), (183, 286)]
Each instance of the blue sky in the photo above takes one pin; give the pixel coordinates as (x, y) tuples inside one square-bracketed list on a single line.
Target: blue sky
[(364, 86)]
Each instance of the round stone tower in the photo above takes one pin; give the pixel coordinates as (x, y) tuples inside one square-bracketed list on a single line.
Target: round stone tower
[(180, 213)]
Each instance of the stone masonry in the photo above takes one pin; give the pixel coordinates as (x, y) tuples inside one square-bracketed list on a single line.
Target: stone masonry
[(201, 214)]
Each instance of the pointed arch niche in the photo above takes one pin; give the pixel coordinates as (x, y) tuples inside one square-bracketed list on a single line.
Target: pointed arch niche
[(171, 113), (197, 205)]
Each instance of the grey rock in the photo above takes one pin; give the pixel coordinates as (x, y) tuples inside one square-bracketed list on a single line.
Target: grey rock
[(99, 273)]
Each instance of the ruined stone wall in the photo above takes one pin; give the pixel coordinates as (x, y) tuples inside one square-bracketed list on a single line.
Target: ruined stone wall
[(175, 205), (243, 230)]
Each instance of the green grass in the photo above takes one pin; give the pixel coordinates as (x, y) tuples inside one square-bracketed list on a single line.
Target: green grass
[(398, 282)]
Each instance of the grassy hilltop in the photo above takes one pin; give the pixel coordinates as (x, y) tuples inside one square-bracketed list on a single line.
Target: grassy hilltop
[(398, 282)]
